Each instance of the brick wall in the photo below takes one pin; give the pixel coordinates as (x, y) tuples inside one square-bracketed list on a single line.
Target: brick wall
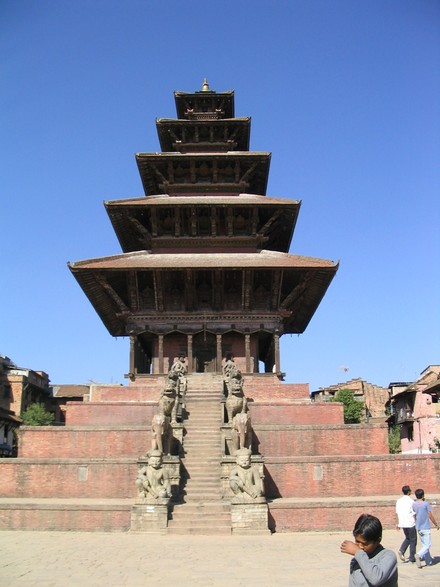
[(110, 413), (141, 390), (82, 442), (321, 440), (268, 387), (64, 518), (68, 478), (299, 413), (311, 517), (369, 475)]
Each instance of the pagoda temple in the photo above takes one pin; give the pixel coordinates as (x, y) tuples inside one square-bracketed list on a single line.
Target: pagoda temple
[(205, 287), (205, 269)]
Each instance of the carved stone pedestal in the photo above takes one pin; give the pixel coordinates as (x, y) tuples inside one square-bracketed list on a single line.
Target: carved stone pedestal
[(150, 516), (249, 517)]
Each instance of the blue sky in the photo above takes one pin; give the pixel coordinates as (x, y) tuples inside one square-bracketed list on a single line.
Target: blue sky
[(345, 94)]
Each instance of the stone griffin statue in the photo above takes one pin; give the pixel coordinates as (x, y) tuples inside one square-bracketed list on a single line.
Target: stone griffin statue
[(236, 401), (153, 481), (168, 398), (244, 479)]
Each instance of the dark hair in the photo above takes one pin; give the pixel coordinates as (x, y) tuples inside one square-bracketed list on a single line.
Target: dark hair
[(406, 489), (369, 527), (420, 494)]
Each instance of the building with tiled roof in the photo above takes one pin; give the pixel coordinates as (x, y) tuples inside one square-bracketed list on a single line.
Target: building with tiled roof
[(205, 268)]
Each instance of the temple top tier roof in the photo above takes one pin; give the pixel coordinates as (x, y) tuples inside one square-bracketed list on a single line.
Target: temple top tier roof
[(204, 104)]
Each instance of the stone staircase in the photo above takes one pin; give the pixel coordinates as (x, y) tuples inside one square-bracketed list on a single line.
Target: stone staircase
[(201, 509)]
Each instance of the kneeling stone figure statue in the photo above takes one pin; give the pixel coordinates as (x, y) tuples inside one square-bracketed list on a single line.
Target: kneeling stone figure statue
[(153, 481), (244, 479)]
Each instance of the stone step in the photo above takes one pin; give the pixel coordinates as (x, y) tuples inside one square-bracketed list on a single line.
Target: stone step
[(198, 469), (203, 416), (203, 450), (201, 473), (199, 414), (206, 426), (198, 446), (196, 484), (192, 480), (191, 518), (203, 398), (202, 459), (195, 440), (213, 530), (201, 481), (203, 511), (209, 522), (202, 463), (195, 495)]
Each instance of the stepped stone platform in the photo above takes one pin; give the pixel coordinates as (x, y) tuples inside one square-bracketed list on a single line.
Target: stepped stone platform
[(113, 515), (316, 473)]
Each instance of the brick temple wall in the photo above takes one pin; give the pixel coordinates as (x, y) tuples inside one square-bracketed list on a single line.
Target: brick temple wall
[(68, 478), (370, 475), (143, 389), (83, 442), (321, 440), (268, 387), (110, 413), (337, 516), (283, 412), (66, 518)]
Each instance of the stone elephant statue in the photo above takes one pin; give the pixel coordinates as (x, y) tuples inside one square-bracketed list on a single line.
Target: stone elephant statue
[(161, 434), (241, 431)]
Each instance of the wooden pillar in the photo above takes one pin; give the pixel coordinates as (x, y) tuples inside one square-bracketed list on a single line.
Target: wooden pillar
[(219, 353), (190, 353), (247, 347), (276, 344), (160, 353), (132, 366)]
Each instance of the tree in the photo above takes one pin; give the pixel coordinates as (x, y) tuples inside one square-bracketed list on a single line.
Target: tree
[(353, 409), (37, 415), (394, 440)]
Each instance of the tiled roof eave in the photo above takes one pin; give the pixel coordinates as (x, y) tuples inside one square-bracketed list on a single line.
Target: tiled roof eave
[(145, 260)]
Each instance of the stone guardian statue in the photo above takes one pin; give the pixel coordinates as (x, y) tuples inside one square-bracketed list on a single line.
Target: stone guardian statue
[(244, 479), (153, 481)]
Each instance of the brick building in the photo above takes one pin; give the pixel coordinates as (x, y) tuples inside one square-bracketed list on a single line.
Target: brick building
[(20, 387), (374, 397), (415, 408), (68, 393)]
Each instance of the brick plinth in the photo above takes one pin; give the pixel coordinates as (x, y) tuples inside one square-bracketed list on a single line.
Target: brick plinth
[(249, 517), (61, 478), (150, 517), (83, 442), (65, 517), (267, 387), (285, 412), (286, 515), (110, 413), (142, 390), (329, 440), (350, 476)]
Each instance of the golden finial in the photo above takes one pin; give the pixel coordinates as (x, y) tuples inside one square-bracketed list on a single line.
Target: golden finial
[(205, 87)]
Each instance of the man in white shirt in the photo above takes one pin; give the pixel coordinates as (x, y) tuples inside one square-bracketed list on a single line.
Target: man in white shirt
[(407, 521)]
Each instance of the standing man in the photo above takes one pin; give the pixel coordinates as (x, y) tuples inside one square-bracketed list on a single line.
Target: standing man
[(424, 517), (406, 519)]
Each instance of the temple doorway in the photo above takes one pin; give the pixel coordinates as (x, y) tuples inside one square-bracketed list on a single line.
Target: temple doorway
[(204, 353)]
